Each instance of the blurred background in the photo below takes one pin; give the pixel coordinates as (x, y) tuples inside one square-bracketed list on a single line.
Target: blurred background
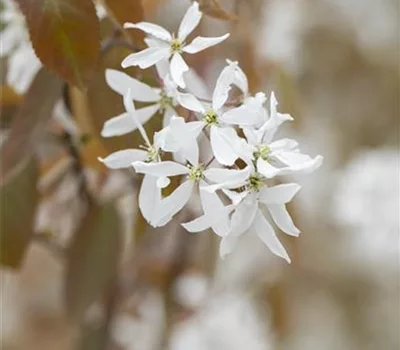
[(78, 275)]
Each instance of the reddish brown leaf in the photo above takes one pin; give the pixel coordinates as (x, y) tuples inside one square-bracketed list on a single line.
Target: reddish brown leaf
[(213, 9), (127, 11), (19, 197), (28, 122), (92, 258), (65, 36)]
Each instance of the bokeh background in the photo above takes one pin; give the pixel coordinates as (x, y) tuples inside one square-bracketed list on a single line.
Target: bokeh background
[(334, 65)]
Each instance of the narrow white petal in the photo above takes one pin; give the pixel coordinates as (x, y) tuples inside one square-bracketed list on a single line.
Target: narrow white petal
[(152, 29), (177, 68), (222, 175), (160, 169), (215, 211), (266, 169), (119, 125), (241, 81), (130, 108), (266, 233), (299, 162), (162, 67), (283, 145), (189, 21), (144, 114), (146, 58), (227, 245), (222, 140), (283, 219), (190, 102), (124, 158), (124, 124), (196, 85), (243, 216), (197, 225), (120, 82), (223, 86), (168, 114), (173, 203), (242, 115), (201, 43), (279, 194), (149, 197)]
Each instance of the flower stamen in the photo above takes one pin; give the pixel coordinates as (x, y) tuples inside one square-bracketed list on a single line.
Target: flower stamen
[(196, 172)]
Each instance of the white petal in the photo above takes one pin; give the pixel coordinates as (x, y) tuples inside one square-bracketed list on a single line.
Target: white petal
[(160, 169), (227, 245), (119, 125), (266, 169), (190, 102), (197, 225), (223, 86), (177, 68), (216, 212), (124, 124), (120, 82), (279, 194), (152, 29), (130, 108), (189, 21), (266, 233), (242, 115), (243, 216), (235, 197), (124, 158), (162, 68), (149, 197), (201, 43), (283, 144), (299, 162), (241, 81), (196, 85), (146, 57), (222, 143), (173, 203), (163, 182), (168, 114), (227, 176), (283, 219)]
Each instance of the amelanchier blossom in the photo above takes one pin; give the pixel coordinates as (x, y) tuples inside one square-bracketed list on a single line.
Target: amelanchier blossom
[(234, 186), (168, 46)]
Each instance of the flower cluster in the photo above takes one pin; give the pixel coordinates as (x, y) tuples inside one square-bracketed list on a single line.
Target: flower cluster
[(234, 188)]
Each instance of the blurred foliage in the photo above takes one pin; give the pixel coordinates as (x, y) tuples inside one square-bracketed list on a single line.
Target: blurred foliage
[(18, 202), (92, 258)]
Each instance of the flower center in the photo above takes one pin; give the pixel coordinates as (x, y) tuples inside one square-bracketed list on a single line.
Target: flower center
[(152, 153), (176, 45), (165, 101), (210, 118), (262, 152), (255, 182), (196, 172)]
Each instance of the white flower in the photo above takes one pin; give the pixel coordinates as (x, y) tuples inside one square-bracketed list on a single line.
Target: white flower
[(22, 61), (162, 100), (247, 207), (249, 216), (150, 191), (280, 157), (222, 135), (167, 46), (196, 175), (251, 112)]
